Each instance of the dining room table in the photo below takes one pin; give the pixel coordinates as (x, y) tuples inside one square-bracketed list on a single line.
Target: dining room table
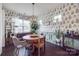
[(31, 38)]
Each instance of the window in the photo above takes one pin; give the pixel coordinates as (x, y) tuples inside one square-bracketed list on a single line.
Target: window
[(20, 25), (40, 22), (26, 26), (57, 18)]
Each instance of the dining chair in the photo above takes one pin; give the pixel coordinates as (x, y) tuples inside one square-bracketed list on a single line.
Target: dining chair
[(40, 44), (18, 44)]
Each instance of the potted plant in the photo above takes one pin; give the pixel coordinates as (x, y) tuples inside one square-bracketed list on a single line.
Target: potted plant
[(34, 27)]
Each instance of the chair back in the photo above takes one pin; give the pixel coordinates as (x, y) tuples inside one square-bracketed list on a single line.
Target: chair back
[(15, 41), (40, 43)]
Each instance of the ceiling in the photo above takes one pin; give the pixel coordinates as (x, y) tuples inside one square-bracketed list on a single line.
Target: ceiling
[(27, 8)]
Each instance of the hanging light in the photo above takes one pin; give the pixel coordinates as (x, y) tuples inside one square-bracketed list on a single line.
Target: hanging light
[(33, 16), (33, 8)]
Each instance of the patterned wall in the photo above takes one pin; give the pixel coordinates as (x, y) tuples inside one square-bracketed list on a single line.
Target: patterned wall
[(70, 17), (9, 14), (70, 21)]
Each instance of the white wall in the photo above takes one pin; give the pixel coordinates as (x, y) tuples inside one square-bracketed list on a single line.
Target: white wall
[(0, 29), (3, 28)]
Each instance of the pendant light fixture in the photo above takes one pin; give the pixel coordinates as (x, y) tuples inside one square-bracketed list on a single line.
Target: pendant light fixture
[(33, 8), (33, 16)]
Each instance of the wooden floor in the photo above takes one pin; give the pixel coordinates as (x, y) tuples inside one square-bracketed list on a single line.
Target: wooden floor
[(51, 50)]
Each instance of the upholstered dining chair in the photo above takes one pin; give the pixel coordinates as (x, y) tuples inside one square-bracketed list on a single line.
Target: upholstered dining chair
[(40, 44), (18, 44)]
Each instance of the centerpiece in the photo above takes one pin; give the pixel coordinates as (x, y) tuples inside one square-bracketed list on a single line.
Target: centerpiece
[(34, 27)]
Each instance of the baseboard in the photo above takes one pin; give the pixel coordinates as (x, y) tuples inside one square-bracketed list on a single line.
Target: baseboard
[(55, 44)]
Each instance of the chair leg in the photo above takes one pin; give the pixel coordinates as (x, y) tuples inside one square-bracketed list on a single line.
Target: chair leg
[(25, 52), (44, 48), (33, 48), (16, 52)]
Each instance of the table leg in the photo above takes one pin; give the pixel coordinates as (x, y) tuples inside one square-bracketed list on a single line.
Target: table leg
[(38, 51), (39, 47)]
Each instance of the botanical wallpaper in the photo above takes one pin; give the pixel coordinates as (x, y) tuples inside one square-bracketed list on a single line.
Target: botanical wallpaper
[(9, 14), (70, 17), (70, 21)]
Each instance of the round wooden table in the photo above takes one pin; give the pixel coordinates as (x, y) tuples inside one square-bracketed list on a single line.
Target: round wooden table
[(33, 38)]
